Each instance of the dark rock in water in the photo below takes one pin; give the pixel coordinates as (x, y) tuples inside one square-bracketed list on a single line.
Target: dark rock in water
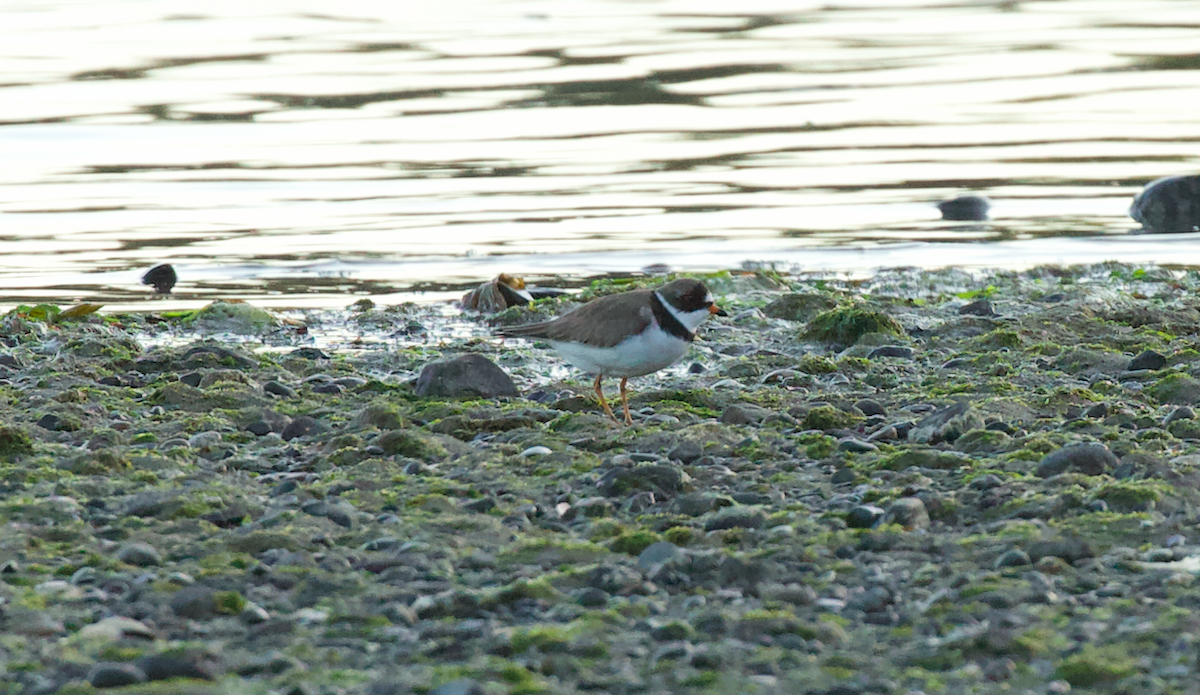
[(162, 277), (472, 376), (1169, 205), (965, 208), (1147, 360), (1090, 458)]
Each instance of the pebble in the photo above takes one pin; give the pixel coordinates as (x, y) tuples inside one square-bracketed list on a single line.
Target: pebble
[(535, 451), (115, 675), (139, 555), (471, 375), (1013, 558), (909, 512), (1148, 359), (979, 307), (464, 686), (864, 516), (1091, 458), (736, 517), (856, 446), (843, 475), (656, 554), (196, 602)]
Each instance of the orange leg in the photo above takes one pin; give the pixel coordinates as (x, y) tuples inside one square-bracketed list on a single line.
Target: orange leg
[(603, 403), (625, 402)]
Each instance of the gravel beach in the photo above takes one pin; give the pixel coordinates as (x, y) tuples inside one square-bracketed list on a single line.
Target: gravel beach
[(923, 482)]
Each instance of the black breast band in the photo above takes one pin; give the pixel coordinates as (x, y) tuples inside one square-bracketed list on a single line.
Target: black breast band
[(667, 320)]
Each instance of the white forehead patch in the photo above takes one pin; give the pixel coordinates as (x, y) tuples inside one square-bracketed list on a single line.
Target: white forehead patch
[(708, 298)]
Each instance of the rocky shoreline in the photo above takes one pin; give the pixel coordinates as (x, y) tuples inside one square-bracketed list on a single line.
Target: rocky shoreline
[(926, 482)]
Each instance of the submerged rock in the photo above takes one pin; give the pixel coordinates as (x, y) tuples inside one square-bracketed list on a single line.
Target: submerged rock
[(965, 208), (1169, 205)]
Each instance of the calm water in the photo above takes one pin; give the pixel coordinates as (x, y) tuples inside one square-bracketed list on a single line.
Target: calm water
[(295, 152)]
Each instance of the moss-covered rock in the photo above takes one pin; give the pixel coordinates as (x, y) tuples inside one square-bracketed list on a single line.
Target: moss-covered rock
[(14, 443), (827, 417), (845, 325), (799, 306), (411, 443)]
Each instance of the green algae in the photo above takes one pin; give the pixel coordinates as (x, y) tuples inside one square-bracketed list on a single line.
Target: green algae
[(827, 417), (14, 443), (845, 325), (816, 364), (633, 542), (1094, 665)]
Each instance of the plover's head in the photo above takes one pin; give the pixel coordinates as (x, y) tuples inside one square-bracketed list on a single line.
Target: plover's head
[(690, 301)]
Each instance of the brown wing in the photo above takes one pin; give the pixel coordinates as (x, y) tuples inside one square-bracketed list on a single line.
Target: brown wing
[(603, 322)]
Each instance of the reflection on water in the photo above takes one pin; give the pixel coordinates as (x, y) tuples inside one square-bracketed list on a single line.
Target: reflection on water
[(294, 151)]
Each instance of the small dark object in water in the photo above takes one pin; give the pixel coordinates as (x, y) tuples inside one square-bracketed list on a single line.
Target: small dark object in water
[(162, 277), (1169, 205), (965, 208)]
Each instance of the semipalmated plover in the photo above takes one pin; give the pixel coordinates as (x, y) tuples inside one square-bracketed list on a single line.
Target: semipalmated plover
[(628, 334)]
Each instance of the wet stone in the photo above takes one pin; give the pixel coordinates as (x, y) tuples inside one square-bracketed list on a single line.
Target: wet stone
[(744, 414), (471, 375), (736, 517), (901, 351), (161, 667), (115, 675), (298, 428), (864, 516), (1013, 558), (1148, 359), (843, 475), (1090, 458), (965, 208), (979, 307), (657, 553), (275, 388), (464, 686), (856, 446), (1181, 413), (161, 277), (686, 451), (196, 602), (139, 555), (986, 482), (700, 503), (909, 512), (619, 481), (1169, 205), (869, 407)]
